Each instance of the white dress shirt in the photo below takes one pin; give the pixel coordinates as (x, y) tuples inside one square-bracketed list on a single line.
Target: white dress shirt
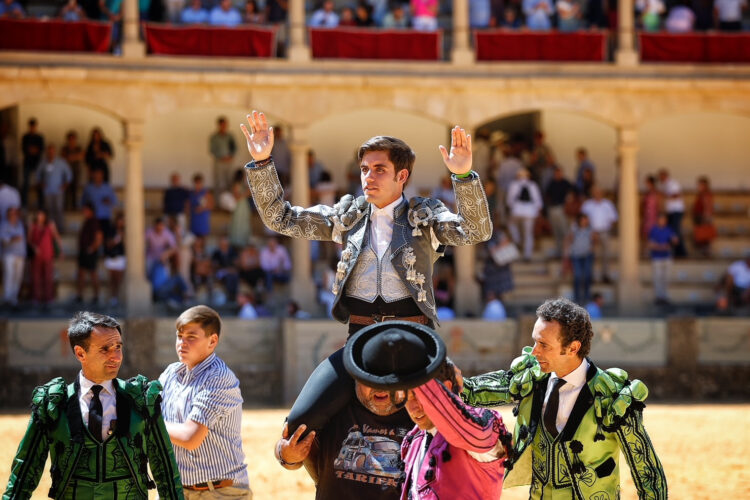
[(601, 213), (568, 393), (106, 396), (381, 226)]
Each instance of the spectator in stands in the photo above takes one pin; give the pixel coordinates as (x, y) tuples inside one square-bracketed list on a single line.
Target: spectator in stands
[(72, 152), (585, 174), (240, 224), (602, 216), (32, 149), (445, 193), (98, 154), (168, 286), (346, 18), (177, 199), (161, 245), (54, 176), (43, 237), (494, 310), (507, 172), (541, 162), (650, 12), (102, 197), (424, 14), (570, 15), (728, 14), (9, 198), (580, 251), (114, 258), (325, 16), (735, 286), (650, 207), (282, 155), (293, 310), (480, 14), (594, 308), (252, 15), (497, 275), (11, 9), (202, 270), (511, 18), (314, 169), (71, 11), (248, 265), (538, 14), (704, 230), (90, 240), (224, 260), (525, 203), (444, 285), (276, 13), (680, 18), (395, 19), (704, 14), (246, 301), (661, 239), (194, 14), (490, 190), (223, 148), (173, 10), (276, 263), (363, 15), (13, 241), (112, 12), (556, 193), (201, 204), (185, 240), (225, 14), (674, 206)]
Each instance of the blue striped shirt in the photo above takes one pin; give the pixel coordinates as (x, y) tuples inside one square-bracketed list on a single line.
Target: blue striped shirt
[(209, 394)]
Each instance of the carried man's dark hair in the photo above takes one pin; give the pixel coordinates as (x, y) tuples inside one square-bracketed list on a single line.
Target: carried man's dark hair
[(400, 154), (83, 323), (574, 320)]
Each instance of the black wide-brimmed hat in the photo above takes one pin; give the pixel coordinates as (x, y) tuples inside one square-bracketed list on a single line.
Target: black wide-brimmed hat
[(394, 355)]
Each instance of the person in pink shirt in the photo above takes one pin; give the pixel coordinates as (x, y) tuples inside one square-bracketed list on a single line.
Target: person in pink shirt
[(424, 14)]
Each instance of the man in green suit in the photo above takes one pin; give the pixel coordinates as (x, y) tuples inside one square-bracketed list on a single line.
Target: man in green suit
[(572, 417), (101, 432)]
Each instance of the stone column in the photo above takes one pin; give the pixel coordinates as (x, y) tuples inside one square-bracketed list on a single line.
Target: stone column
[(468, 294), (137, 288), (628, 284), (302, 287), (461, 53), (626, 54), (132, 46), (298, 49)]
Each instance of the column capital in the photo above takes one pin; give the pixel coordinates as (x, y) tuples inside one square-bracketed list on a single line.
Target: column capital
[(134, 132), (627, 138)]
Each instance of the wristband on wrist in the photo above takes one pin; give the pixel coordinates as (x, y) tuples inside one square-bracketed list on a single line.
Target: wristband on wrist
[(281, 460), (263, 163), (464, 176)]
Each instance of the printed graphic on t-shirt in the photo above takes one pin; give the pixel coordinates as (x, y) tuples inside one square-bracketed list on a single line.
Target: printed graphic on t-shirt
[(370, 455)]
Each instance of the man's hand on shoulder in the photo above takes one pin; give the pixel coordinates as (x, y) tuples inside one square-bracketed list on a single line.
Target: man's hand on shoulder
[(291, 452), (458, 159), (259, 137)]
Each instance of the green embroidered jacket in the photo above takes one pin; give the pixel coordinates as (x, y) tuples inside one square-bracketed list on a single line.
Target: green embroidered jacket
[(582, 462), (85, 468)]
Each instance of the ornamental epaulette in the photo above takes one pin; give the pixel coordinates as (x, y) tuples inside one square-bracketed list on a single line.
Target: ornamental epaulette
[(47, 399), (524, 373), (347, 212), (615, 397), (146, 395), (422, 211)]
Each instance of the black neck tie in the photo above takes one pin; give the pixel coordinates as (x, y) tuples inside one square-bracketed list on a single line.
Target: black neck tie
[(95, 413), (550, 412)]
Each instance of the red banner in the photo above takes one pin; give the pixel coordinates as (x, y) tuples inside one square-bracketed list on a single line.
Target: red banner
[(242, 41), (55, 35), (372, 43), (695, 47), (505, 45)]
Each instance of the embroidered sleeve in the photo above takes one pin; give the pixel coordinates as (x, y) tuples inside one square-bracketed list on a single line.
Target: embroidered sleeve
[(162, 462), (502, 387), (28, 464), (472, 429), (645, 467)]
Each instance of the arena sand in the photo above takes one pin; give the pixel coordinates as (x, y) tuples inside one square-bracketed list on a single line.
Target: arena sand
[(704, 449)]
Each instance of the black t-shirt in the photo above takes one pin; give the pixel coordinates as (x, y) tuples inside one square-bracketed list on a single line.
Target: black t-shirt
[(359, 455)]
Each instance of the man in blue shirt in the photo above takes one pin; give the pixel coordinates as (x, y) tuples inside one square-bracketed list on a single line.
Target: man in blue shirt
[(53, 175), (102, 197), (11, 9), (661, 238), (225, 14), (195, 14)]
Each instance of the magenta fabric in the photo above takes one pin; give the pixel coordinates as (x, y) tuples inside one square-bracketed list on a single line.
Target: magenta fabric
[(373, 43), (695, 47), (242, 41), (505, 45), (55, 35)]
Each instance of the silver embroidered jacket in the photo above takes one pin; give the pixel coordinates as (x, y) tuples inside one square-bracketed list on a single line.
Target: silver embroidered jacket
[(420, 229)]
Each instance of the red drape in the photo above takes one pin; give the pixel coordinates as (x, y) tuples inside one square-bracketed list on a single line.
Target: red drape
[(370, 43), (56, 36), (241, 41), (695, 47), (502, 45)]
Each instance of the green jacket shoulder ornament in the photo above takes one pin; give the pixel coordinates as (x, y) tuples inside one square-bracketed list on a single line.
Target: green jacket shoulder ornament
[(85, 468), (583, 460)]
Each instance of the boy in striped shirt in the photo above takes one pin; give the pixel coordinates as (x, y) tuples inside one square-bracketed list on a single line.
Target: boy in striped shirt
[(202, 409)]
